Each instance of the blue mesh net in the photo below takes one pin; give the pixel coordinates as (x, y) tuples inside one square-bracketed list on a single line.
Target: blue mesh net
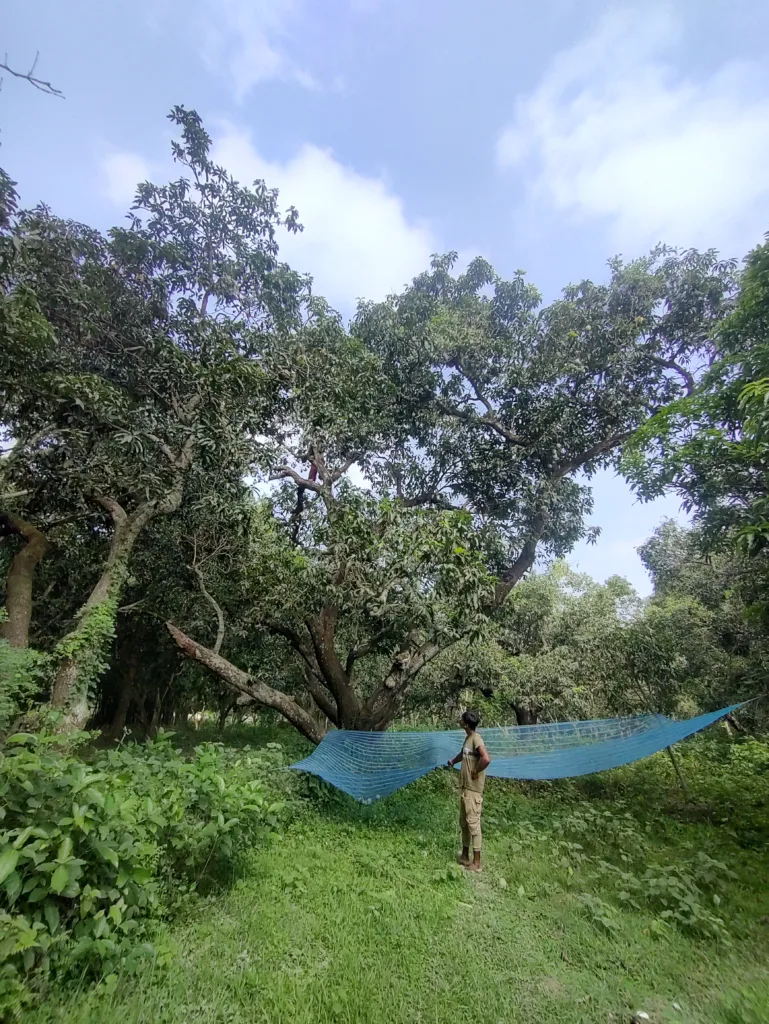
[(370, 765)]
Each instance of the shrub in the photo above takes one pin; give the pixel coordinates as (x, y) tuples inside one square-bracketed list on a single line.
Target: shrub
[(21, 674), (91, 851)]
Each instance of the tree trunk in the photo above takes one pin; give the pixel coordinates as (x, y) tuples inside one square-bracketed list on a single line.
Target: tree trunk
[(18, 587), (525, 716), (322, 699), (241, 682), (117, 725), (226, 705), (84, 648), (322, 630), (387, 700), (152, 728)]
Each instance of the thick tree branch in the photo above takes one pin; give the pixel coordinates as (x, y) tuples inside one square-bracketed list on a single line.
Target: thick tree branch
[(20, 579), (382, 706), (241, 682), (519, 568), (285, 472), (115, 509)]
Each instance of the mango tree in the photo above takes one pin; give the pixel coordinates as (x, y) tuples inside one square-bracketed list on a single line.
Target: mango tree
[(144, 371), (476, 418)]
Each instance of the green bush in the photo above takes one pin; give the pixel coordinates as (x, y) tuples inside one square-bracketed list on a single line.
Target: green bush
[(613, 849), (726, 778), (22, 671), (91, 851)]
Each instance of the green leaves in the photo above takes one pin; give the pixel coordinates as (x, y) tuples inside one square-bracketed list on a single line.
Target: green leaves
[(154, 823), (60, 878), (107, 853), (9, 858), (710, 448)]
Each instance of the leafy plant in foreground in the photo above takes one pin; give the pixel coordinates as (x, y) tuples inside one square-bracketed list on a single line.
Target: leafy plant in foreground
[(91, 852)]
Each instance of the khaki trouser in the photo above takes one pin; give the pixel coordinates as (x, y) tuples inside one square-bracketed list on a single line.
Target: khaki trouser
[(470, 807)]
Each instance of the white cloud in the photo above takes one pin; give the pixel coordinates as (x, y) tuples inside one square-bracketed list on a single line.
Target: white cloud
[(251, 39), (612, 131), (357, 241), (120, 174)]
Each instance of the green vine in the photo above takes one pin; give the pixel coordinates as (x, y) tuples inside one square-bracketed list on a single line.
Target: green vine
[(88, 644)]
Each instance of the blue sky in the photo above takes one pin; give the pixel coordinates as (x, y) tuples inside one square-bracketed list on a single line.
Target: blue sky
[(544, 136)]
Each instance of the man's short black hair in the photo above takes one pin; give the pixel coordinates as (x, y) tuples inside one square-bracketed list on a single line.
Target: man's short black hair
[(471, 719)]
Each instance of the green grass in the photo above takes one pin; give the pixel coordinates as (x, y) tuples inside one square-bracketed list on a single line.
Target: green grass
[(357, 915)]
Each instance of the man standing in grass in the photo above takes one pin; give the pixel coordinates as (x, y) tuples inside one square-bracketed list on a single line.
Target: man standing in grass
[(472, 777)]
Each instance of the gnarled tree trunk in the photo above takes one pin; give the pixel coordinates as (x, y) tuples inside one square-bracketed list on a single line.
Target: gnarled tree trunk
[(18, 587)]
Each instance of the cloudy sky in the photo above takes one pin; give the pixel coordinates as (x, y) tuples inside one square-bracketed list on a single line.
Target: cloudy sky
[(544, 136)]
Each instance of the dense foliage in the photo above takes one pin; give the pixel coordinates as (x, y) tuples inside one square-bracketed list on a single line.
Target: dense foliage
[(91, 850), (216, 497), (710, 447), (410, 469)]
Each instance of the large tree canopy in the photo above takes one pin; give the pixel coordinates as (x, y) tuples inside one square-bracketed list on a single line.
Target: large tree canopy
[(471, 411), (508, 406), (710, 446), (320, 514)]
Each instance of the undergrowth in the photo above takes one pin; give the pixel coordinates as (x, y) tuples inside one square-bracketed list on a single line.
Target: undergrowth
[(590, 908), (95, 847)]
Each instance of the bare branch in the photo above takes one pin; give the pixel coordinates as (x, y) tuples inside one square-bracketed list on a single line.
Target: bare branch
[(336, 474), (322, 699), (209, 597), (430, 497), (370, 647), (279, 629), (242, 682), (165, 449), (488, 420), (479, 395), (29, 76), (671, 364), (564, 468), (115, 509)]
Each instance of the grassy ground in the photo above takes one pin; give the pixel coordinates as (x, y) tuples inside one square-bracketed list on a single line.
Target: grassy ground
[(357, 914)]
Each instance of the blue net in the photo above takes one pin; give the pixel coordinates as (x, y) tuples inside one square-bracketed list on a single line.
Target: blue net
[(370, 765)]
